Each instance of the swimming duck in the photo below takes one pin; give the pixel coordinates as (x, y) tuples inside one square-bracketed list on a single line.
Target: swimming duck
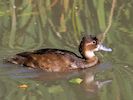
[(55, 60)]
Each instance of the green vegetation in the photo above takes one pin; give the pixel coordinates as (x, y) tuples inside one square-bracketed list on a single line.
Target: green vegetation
[(33, 24)]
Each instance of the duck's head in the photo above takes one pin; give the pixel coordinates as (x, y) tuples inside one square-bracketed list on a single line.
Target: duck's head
[(89, 45)]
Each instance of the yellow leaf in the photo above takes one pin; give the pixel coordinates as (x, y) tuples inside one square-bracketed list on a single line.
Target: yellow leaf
[(23, 86)]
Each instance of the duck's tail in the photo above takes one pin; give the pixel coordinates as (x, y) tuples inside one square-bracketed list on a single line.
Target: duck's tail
[(20, 58), (15, 60)]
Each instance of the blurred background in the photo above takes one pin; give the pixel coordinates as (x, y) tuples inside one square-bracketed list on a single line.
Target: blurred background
[(33, 24)]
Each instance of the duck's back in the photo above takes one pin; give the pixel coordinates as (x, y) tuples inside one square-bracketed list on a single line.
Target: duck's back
[(52, 60)]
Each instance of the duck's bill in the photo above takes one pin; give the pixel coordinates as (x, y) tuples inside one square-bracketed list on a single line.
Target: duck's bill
[(101, 47)]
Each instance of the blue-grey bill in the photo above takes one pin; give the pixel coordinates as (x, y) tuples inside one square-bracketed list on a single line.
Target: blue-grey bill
[(101, 47)]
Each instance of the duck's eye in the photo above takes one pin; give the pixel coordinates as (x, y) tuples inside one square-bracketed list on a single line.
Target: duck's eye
[(94, 42), (91, 43)]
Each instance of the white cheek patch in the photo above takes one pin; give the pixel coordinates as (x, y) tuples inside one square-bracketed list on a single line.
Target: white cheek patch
[(97, 48), (89, 54)]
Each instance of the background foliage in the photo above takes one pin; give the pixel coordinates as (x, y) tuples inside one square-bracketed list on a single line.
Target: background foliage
[(33, 24)]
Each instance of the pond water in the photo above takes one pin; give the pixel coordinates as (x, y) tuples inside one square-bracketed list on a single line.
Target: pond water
[(31, 26)]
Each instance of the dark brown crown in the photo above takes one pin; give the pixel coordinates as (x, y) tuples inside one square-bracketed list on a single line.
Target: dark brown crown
[(85, 40)]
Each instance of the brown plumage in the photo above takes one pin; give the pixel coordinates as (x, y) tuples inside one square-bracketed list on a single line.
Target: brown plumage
[(54, 60)]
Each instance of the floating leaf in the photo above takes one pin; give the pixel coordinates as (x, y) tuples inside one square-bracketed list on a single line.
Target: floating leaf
[(76, 80), (23, 86)]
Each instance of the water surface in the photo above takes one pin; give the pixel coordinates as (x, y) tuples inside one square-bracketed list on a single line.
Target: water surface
[(28, 25)]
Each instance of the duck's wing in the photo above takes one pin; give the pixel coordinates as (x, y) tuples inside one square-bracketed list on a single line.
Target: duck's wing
[(24, 54), (21, 58)]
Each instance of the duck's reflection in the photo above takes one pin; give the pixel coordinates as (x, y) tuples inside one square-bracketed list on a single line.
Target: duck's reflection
[(90, 84)]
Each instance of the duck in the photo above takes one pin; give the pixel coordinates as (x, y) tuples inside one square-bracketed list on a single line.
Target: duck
[(60, 60)]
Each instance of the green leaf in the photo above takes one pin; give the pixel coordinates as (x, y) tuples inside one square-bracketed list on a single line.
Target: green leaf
[(76, 80)]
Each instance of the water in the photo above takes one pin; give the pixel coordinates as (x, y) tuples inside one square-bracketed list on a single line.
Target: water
[(40, 27)]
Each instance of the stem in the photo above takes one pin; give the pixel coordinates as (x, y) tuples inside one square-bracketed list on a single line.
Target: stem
[(109, 21), (13, 25)]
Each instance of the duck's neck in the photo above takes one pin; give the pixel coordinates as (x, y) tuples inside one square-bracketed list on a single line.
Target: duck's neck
[(91, 59), (89, 54)]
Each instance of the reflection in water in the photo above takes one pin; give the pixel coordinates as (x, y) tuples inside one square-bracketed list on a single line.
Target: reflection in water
[(91, 85)]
